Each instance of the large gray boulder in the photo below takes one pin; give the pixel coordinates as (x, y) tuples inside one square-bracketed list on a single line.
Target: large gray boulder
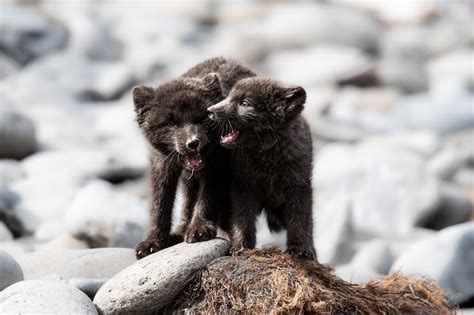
[(104, 217), (10, 271), (378, 184), (28, 34), (447, 257), (44, 297), (17, 135), (154, 281), (5, 234), (435, 111), (334, 63), (375, 255), (79, 263), (288, 25)]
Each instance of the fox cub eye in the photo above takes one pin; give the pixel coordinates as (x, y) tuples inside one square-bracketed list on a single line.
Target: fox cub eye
[(245, 102), (171, 124)]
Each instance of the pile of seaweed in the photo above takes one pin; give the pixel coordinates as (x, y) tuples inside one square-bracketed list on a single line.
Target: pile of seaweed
[(269, 281)]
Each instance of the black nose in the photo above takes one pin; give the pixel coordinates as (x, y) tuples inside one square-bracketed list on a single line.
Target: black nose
[(193, 144)]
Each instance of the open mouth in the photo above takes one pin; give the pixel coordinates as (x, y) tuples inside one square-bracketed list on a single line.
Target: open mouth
[(193, 160), (230, 138)]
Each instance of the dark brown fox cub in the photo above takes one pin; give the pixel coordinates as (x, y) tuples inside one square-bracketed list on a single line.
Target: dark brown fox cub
[(174, 120), (272, 161)]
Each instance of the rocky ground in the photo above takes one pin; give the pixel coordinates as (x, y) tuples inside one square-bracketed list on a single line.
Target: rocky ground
[(390, 103)]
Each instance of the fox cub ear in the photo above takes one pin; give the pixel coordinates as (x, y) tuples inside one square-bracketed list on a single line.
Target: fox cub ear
[(142, 95), (212, 83), (291, 101)]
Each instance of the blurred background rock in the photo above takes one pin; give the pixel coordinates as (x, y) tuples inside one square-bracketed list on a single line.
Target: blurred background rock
[(390, 103)]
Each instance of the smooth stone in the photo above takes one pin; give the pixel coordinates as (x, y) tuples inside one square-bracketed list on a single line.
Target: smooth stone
[(27, 33), (50, 230), (447, 258), (424, 143), (76, 263), (288, 26), (10, 170), (375, 255), (446, 163), (9, 213), (412, 12), (65, 241), (435, 111), (333, 229), (110, 84), (157, 279), (452, 68), (406, 75), (40, 296), (5, 234), (334, 64), (464, 177), (379, 183), (103, 217), (15, 248), (10, 271), (8, 66), (17, 135), (455, 207), (89, 286), (353, 274)]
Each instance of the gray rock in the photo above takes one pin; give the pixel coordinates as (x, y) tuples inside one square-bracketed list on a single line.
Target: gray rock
[(327, 129), (447, 162), (436, 111), (8, 214), (333, 228), (45, 297), (15, 248), (405, 42), (10, 170), (64, 241), (464, 177), (376, 256), (40, 201), (455, 207), (5, 234), (8, 66), (422, 142), (78, 263), (333, 64), (154, 281), (447, 258), (381, 184), (406, 75), (89, 286), (50, 230), (10, 271), (28, 34), (451, 70), (66, 171), (353, 274), (110, 83), (104, 217), (85, 80), (8, 198), (287, 25), (17, 135)]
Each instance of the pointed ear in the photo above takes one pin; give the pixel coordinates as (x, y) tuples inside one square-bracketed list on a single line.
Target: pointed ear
[(292, 101), (212, 83), (142, 95)]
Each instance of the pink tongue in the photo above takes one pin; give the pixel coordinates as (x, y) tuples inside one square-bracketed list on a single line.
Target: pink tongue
[(194, 159), (229, 138)]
